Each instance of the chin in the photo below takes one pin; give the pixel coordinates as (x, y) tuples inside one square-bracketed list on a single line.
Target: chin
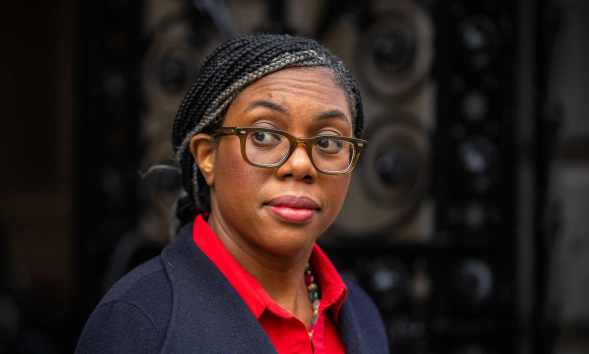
[(286, 242), (287, 238)]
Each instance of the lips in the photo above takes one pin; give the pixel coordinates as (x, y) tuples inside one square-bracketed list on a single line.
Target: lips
[(293, 209)]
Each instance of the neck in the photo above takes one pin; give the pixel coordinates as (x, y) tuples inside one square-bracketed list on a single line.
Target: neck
[(281, 276)]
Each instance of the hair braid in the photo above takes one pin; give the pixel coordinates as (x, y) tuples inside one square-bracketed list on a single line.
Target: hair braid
[(230, 68), (233, 64)]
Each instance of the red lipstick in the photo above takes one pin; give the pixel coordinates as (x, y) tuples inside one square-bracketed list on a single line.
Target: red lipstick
[(293, 209)]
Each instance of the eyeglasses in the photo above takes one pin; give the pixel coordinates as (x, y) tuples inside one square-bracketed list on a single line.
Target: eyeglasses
[(270, 148)]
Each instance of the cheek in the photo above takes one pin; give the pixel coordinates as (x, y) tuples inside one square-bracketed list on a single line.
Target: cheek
[(232, 173), (338, 190), (228, 161)]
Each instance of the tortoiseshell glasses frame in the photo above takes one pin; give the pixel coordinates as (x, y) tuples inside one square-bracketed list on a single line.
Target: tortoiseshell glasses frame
[(354, 144)]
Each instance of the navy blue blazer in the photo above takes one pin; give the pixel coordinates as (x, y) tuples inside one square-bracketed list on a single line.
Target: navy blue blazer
[(179, 302)]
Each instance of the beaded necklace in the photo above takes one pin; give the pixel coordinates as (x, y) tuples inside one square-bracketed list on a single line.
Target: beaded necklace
[(314, 297)]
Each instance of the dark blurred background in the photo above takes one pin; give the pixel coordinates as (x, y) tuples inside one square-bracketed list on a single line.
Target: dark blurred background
[(467, 220)]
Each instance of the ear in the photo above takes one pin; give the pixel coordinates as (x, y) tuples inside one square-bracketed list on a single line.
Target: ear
[(202, 148)]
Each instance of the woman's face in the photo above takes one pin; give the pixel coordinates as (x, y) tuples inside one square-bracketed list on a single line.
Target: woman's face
[(260, 207)]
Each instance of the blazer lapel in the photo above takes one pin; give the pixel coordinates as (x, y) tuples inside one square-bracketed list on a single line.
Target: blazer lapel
[(350, 330), (208, 315)]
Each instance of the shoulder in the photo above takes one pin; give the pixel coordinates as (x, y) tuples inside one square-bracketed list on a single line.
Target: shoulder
[(133, 316), (147, 279)]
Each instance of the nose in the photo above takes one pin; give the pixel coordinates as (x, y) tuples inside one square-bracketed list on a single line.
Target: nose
[(298, 166)]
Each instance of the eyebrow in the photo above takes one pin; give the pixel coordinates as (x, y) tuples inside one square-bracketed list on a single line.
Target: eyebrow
[(334, 113), (266, 104)]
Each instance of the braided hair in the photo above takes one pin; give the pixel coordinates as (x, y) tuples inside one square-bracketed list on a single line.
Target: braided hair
[(230, 68)]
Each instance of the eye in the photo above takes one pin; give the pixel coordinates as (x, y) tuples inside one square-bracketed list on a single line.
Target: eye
[(329, 145), (265, 139)]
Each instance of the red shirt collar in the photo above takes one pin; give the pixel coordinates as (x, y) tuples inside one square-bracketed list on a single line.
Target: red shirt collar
[(333, 290)]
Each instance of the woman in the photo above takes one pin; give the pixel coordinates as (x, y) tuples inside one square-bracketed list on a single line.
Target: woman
[(266, 139)]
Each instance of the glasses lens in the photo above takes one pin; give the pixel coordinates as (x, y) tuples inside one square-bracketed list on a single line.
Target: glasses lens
[(331, 154), (266, 148)]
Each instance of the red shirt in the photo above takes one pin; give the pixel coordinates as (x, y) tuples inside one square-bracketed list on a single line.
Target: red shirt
[(286, 332)]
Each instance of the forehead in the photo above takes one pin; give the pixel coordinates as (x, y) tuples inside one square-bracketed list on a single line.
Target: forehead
[(307, 89), (298, 76)]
